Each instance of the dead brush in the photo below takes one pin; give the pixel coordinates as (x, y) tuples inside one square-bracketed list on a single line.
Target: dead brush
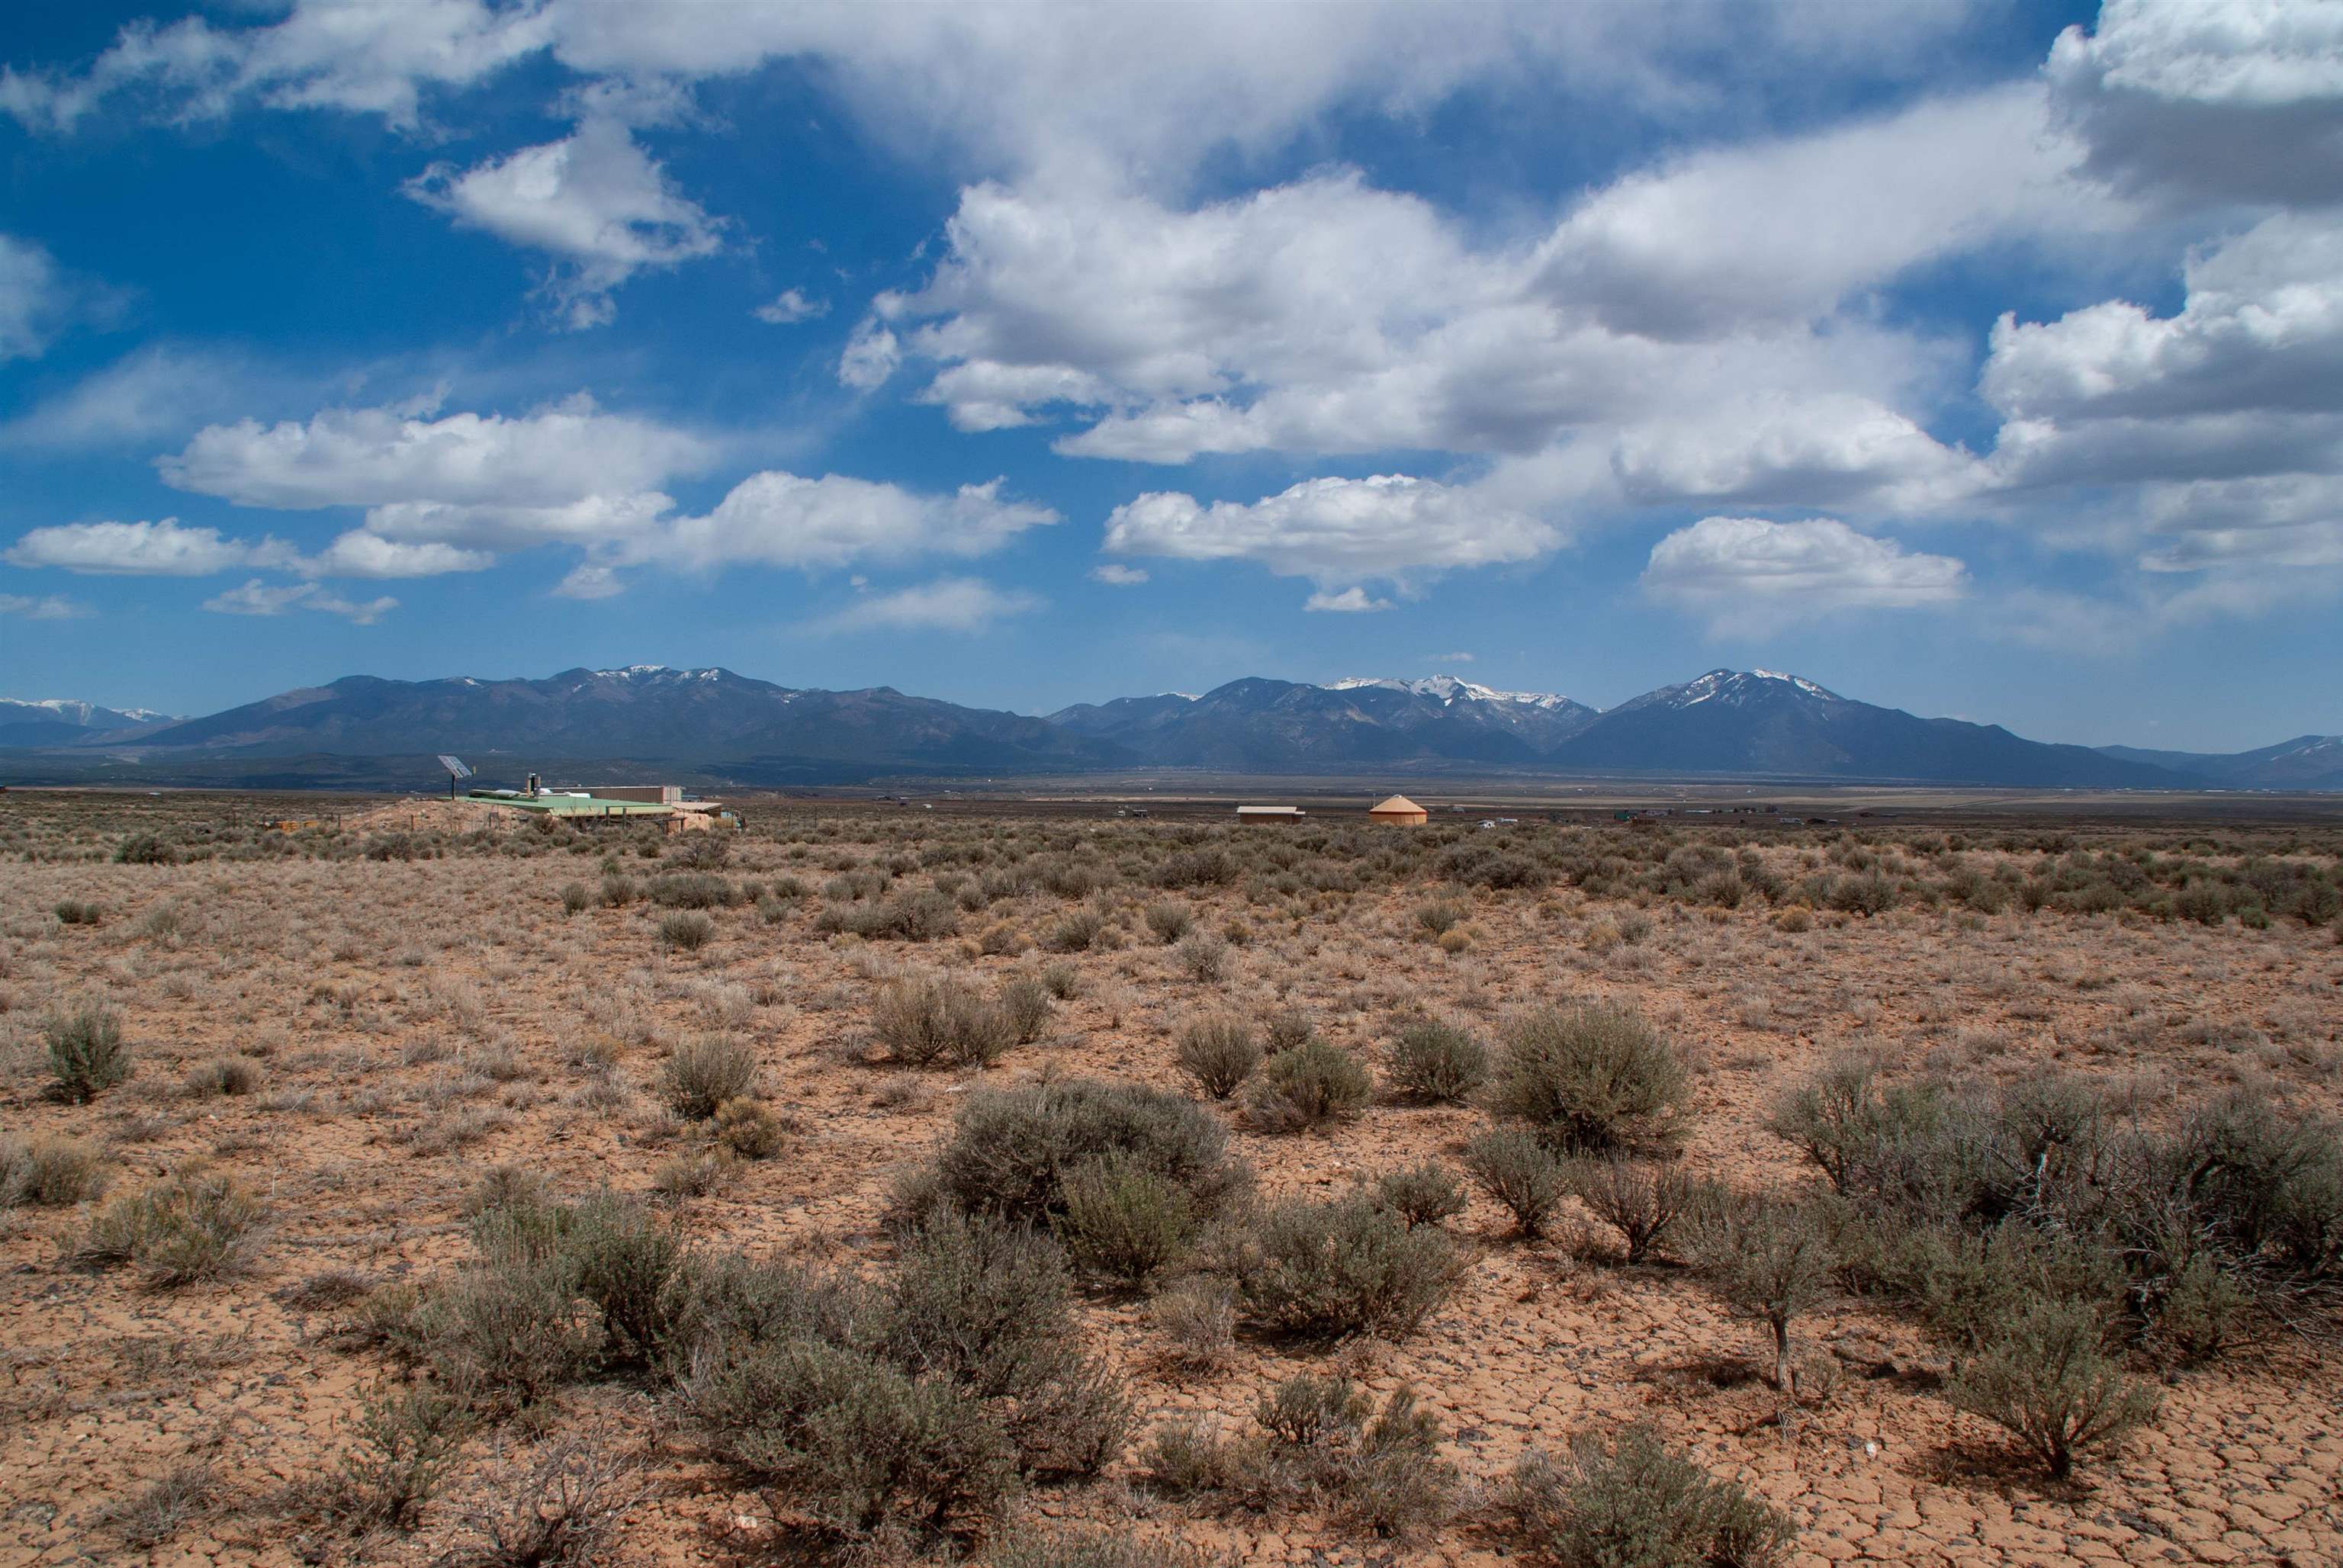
[(555, 1507)]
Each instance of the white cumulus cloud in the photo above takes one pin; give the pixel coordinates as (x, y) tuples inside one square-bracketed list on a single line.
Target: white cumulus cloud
[(261, 598), (790, 306), (597, 204), (948, 604), (2208, 100), (1747, 574), (1340, 534), (47, 606), (782, 519), (35, 298), (363, 57), (551, 472), (162, 548), (359, 554), (1353, 600), (1114, 574)]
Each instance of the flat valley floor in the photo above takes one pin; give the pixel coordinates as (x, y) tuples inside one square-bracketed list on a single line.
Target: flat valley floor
[(407, 1025)]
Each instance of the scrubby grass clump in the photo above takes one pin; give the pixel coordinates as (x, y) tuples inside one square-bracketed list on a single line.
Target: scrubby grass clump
[(87, 1054), (198, 1224), (2045, 1378), (1094, 1549), (1589, 1078), (687, 930), (1012, 1151), (1435, 1062), (1332, 1270), (1306, 1088), (1636, 1502), (226, 1075), (703, 1071), (920, 1404), (1517, 1171), (1967, 1204), (1319, 1442), (1641, 1201), (1219, 1052), (937, 1022), (749, 1128), (48, 1172)]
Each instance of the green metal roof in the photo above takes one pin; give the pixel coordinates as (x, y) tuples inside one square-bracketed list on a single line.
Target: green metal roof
[(578, 805)]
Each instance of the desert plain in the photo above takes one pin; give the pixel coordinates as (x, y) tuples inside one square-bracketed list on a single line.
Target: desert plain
[(350, 1047)]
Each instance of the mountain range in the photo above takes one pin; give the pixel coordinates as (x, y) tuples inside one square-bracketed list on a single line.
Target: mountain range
[(716, 727)]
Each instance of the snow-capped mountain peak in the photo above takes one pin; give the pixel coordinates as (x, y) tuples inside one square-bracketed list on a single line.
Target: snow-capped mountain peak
[(1732, 688), (83, 714), (1448, 689)]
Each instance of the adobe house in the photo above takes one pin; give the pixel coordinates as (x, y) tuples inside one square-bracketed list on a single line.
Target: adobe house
[(1400, 812)]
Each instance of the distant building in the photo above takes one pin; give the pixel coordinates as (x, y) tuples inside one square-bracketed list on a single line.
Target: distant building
[(1401, 812), (1267, 813), (652, 794)]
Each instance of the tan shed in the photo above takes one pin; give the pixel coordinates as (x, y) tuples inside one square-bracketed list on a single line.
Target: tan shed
[(1401, 811)]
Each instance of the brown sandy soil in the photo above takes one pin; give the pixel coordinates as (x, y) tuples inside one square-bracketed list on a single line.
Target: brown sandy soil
[(416, 1024)]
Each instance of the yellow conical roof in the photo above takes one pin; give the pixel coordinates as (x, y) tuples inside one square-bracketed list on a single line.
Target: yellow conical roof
[(1396, 803)]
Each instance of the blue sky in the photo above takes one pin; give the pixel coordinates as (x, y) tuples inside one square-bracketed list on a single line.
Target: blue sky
[(1980, 360)]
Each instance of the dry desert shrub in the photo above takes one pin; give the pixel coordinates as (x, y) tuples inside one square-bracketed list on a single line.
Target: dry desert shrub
[(403, 1445), (1218, 1051), (1124, 1220), (1965, 1205), (1168, 921), (2045, 1378), (1639, 1200), (194, 1225), (920, 1404), (687, 930), (1306, 1086), (1011, 1150), (1336, 1269), (1587, 1076), (87, 1054), (921, 915), (1204, 957), (1077, 931), (557, 1507), (1319, 1442), (1440, 916), (692, 891), (1424, 1194), (1636, 1502), (703, 1071), (1771, 1259), (1517, 1171), (1435, 1062), (48, 1172), (937, 1022)]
